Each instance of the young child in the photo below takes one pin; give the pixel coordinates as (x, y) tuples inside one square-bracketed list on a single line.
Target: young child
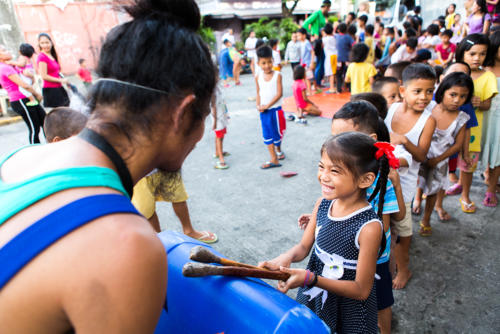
[(25, 70), (226, 63), (359, 73), (220, 120), (306, 57), (396, 70), (346, 234), (62, 123), (330, 47), (388, 87), (269, 93), (377, 101), (84, 73), (445, 50), (406, 52), (411, 126), (304, 104), (273, 43), (448, 138), (473, 50), (344, 44), (360, 34)]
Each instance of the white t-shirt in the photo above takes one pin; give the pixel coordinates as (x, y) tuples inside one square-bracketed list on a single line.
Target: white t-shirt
[(229, 37), (276, 58), (250, 46), (401, 54)]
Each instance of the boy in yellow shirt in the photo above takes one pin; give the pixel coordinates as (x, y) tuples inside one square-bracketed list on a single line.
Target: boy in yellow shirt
[(359, 73)]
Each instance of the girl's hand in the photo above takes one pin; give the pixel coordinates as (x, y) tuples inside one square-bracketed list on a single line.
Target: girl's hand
[(432, 162), (297, 278), (394, 176), (64, 81), (275, 264), (397, 139), (467, 159), (476, 101), (304, 220)]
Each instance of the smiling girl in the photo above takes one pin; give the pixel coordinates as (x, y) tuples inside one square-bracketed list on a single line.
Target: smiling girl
[(338, 284)]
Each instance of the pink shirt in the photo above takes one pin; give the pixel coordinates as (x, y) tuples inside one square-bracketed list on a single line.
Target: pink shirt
[(85, 74), (12, 89), (53, 70), (445, 52), (298, 87)]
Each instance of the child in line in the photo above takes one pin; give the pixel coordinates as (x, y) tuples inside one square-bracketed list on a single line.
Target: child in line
[(346, 234), (445, 50), (473, 50), (273, 43), (360, 74), (220, 120), (269, 92), (303, 103), (62, 123), (344, 44), (396, 70), (330, 48), (84, 73), (25, 70), (411, 126), (455, 90), (306, 58), (388, 87), (370, 43)]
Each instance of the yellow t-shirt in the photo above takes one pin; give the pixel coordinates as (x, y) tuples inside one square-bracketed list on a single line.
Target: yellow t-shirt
[(359, 74), (369, 41), (449, 20), (485, 87)]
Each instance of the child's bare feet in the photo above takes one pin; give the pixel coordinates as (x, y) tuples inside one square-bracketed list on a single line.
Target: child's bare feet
[(401, 279), (453, 178), (442, 213)]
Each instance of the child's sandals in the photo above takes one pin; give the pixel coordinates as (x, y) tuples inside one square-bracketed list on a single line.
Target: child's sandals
[(221, 165), (280, 155), (490, 200), (468, 207), (455, 189), (425, 231)]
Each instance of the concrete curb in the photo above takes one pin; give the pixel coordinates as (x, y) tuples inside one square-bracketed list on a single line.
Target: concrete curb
[(10, 120)]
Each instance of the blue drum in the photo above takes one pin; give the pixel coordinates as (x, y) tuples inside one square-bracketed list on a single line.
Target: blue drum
[(217, 304)]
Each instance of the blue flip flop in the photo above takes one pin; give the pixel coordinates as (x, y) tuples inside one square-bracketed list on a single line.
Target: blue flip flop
[(269, 164)]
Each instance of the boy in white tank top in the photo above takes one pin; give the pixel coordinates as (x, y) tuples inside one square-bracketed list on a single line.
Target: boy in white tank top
[(411, 127), (272, 118)]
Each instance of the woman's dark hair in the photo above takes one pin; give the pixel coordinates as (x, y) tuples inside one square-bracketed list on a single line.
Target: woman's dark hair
[(369, 29), (342, 28), (455, 79), (260, 42), (351, 29), (482, 6), (158, 49), (328, 29), (356, 152), (410, 32), (53, 52), (299, 73), (433, 29), (26, 50), (377, 100), (468, 42), (457, 62), (359, 52), (493, 49)]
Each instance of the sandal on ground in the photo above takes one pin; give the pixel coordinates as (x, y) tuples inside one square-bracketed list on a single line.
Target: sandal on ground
[(281, 155), (269, 164), (468, 207), (291, 118), (490, 200), (220, 165), (225, 154), (288, 174), (443, 214), (208, 237), (425, 231), (455, 189), (301, 120)]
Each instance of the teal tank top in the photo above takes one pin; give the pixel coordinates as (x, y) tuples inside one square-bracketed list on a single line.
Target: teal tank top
[(17, 196)]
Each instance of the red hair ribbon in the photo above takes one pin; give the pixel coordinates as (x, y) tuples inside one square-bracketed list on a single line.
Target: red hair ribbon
[(386, 149)]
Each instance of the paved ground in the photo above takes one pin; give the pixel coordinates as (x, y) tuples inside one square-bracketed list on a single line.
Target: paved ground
[(455, 287)]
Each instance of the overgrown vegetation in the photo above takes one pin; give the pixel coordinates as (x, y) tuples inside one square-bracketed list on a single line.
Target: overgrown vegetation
[(265, 28), (207, 34)]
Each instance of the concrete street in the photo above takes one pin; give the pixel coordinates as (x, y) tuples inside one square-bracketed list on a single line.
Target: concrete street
[(455, 286)]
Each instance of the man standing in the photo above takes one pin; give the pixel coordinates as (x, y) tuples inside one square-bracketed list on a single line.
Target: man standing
[(317, 20), (250, 47), (228, 35), (292, 53)]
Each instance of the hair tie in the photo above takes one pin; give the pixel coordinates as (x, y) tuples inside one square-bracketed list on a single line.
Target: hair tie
[(131, 84), (470, 42), (386, 149)]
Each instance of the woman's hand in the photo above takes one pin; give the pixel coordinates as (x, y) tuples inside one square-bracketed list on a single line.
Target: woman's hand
[(64, 81), (283, 260), (297, 278)]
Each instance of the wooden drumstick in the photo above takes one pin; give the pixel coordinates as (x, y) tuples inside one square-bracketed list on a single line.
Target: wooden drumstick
[(193, 269), (202, 254)]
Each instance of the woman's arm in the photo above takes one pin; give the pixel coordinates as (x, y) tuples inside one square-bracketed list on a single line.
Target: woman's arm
[(42, 68), (19, 82), (486, 26)]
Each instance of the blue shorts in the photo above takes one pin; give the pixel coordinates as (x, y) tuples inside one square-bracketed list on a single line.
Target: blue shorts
[(383, 287), (273, 125)]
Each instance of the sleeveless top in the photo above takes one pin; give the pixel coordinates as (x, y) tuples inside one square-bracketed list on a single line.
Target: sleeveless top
[(268, 89), (17, 196), (409, 179), (335, 256)]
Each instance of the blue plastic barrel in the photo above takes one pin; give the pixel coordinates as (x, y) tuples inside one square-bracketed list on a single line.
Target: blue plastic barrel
[(216, 304)]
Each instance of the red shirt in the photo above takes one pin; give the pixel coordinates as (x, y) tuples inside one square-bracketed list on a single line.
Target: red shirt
[(445, 52), (298, 87), (85, 74)]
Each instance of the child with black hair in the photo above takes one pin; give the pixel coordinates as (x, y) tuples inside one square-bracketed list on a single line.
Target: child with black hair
[(445, 50), (346, 234), (388, 87), (226, 63), (370, 43), (448, 138), (411, 127), (377, 100), (269, 92), (25, 70), (360, 34), (405, 52), (273, 43), (330, 49), (303, 103), (84, 73), (359, 73), (432, 39), (352, 31), (306, 51), (396, 70), (344, 44), (220, 119), (62, 123)]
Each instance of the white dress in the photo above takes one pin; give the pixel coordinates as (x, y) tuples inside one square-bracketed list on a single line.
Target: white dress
[(431, 180), (330, 47)]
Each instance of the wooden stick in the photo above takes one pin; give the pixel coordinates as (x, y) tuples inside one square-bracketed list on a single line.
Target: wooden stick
[(204, 255), (193, 269)]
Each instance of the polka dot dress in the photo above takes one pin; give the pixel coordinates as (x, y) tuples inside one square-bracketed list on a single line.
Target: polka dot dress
[(338, 236)]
